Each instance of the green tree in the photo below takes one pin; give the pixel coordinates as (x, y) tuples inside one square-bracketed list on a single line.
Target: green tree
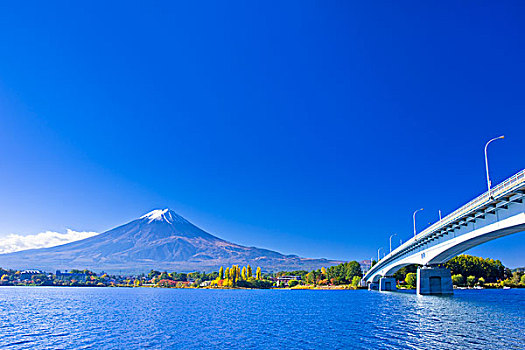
[(311, 277), (249, 271), (258, 275), (457, 279), (355, 281), (353, 268), (293, 283), (471, 280), (151, 274), (468, 265), (516, 277), (345, 272), (227, 273), (221, 273), (261, 284), (243, 274), (401, 274), (522, 281), (411, 279), (481, 281)]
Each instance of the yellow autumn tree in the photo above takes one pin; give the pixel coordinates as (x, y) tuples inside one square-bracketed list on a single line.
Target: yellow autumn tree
[(233, 275), (237, 272)]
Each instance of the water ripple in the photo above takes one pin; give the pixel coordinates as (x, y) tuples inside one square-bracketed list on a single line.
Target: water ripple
[(115, 318)]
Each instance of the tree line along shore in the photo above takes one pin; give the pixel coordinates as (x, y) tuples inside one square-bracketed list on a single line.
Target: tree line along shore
[(467, 271)]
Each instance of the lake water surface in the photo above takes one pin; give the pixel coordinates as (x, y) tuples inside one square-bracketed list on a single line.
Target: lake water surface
[(117, 318)]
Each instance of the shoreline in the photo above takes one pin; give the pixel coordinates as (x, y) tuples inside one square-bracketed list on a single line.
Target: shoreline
[(324, 288)]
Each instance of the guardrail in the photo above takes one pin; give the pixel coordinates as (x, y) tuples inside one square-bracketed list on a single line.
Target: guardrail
[(501, 188)]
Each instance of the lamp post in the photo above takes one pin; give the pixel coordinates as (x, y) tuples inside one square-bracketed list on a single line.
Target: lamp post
[(378, 254), (487, 162), (395, 234), (414, 219)]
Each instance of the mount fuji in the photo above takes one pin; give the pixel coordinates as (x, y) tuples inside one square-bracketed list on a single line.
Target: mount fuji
[(161, 240)]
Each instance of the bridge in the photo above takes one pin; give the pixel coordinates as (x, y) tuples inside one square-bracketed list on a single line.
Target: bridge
[(496, 213)]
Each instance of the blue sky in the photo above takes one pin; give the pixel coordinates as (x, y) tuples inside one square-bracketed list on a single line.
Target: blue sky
[(313, 128)]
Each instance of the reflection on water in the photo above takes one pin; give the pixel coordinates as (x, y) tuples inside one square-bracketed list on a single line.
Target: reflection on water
[(114, 318)]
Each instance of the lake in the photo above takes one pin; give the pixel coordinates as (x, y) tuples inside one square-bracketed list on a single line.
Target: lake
[(117, 318)]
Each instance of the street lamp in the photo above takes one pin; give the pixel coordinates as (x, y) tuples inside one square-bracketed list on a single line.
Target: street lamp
[(414, 219), (487, 162), (378, 254), (395, 234)]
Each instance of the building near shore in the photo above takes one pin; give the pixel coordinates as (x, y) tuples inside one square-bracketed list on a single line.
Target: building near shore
[(69, 276), (285, 280), (28, 274)]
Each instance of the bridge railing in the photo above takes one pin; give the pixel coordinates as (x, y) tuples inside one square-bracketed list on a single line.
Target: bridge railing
[(501, 188)]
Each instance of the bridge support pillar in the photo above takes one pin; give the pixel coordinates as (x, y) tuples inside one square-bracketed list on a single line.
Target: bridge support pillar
[(387, 284), (433, 280), (373, 286)]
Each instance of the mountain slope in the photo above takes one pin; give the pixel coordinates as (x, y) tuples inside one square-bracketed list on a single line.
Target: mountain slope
[(161, 240)]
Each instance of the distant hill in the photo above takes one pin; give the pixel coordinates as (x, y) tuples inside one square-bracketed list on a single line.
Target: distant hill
[(161, 240)]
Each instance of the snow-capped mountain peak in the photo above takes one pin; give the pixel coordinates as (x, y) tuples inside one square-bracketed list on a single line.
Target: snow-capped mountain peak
[(162, 215), (155, 214)]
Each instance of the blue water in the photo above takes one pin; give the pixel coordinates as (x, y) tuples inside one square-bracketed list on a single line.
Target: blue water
[(117, 318)]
